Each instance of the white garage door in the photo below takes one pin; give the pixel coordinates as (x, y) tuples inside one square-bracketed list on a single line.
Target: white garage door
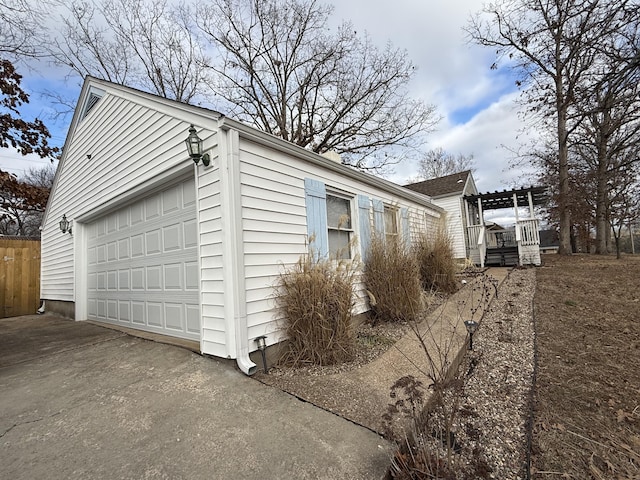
[(143, 264)]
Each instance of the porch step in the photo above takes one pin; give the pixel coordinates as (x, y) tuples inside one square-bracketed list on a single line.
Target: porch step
[(502, 257)]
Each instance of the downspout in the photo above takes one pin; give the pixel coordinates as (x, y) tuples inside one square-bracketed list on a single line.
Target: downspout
[(235, 249)]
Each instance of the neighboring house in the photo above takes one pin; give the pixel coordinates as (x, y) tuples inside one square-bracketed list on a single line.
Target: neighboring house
[(157, 243), (448, 193)]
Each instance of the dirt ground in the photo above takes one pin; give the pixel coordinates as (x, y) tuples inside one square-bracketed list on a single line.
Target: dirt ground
[(587, 407)]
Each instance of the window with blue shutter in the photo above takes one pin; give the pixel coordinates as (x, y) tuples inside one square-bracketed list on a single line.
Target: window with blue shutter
[(316, 200), (364, 209), (340, 226), (406, 232)]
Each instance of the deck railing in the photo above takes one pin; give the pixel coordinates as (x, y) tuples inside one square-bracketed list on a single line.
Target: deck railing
[(501, 238), (528, 232)]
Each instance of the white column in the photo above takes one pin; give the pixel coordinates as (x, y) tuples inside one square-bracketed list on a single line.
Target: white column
[(531, 214)]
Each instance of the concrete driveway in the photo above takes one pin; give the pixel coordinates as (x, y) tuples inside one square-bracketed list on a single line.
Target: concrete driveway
[(82, 401)]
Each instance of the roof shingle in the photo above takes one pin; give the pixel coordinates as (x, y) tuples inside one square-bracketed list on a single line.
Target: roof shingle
[(435, 187)]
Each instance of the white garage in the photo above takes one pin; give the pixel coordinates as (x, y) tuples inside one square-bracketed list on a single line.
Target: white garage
[(142, 264)]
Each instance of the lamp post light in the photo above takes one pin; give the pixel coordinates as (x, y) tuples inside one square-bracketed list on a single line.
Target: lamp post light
[(472, 326), (262, 346), (195, 149)]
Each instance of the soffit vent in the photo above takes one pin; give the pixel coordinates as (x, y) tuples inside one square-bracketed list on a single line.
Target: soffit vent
[(92, 99)]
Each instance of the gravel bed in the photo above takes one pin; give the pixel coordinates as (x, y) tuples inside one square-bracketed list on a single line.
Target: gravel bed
[(489, 430), (500, 385)]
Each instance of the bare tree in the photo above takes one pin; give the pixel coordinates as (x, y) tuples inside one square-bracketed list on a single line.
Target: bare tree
[(143, 44), (607, 141), (553, 45), (438, 163), (624, 204), (20, 27), (22, 201), (283, 71)]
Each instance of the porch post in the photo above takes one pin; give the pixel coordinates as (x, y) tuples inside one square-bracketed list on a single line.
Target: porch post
[(531, 214), (518, 232), (484, 240), (466, 211)]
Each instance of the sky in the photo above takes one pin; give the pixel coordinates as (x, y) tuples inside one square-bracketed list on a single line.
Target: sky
[(477, 104)]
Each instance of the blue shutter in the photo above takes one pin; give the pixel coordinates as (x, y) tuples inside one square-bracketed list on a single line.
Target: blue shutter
[(316, 200), (378, 216), (406, 233), (364, 207)]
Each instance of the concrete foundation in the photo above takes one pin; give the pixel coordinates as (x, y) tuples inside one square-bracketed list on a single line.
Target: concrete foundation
[(59, 307)]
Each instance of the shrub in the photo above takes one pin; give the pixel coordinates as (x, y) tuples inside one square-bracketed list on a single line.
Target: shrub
[(437, 265), (315, 298), (392, 279)]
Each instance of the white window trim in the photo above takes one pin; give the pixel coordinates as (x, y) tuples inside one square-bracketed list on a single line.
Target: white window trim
[(351, 199)]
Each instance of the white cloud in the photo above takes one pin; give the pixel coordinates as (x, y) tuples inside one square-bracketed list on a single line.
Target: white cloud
[(13, 162), (477, 103)]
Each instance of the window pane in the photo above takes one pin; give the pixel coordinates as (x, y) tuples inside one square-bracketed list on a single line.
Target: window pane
[(338, 212), (339, 244), (390, 221)]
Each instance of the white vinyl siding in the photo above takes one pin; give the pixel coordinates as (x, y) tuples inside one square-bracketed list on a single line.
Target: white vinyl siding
[(453, 206), (276, 228), (130, 146), (211, 262)]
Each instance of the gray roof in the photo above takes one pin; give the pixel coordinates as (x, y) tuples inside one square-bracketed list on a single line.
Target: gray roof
[(447, 185)]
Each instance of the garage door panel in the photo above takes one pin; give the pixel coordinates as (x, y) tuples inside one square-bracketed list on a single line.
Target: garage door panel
[(112, 280), (154, 314), (173, 313), (193, 319), (137, 278), (137, 246), (112, 223), (154, 278), (172, 199), (137, 313), (124, 311), (112, 310), (123, 280), (137, 213), (190, 230), (153, 242), (173, 276), (191, 276), (171, 237), (152, 208), (144, 273), (123, 249)]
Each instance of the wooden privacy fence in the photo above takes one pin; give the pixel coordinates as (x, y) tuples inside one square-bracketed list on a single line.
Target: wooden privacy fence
[(19, 277)]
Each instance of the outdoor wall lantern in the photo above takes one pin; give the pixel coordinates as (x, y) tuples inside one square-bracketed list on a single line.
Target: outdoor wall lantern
[(65, 225), (472, 326), (194, 147), (262, 346)]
